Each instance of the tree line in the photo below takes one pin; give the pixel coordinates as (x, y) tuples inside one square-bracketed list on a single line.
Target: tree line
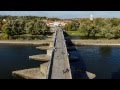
[(22, 25), (100, 27)]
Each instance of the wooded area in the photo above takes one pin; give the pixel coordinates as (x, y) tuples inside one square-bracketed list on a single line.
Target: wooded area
[(100, 27), (15, 26)]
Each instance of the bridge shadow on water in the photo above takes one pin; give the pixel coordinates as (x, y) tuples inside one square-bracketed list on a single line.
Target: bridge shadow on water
[(78, 68)]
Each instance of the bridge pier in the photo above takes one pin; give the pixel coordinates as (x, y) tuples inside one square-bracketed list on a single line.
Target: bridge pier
[(49, 51)]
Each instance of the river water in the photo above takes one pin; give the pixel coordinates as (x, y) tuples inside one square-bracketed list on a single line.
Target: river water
[(16, 57), (104, 61)]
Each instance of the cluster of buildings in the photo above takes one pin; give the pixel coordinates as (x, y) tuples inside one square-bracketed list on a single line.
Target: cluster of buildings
[(56, 23)]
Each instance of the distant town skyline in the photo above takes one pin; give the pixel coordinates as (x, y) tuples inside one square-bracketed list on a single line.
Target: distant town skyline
[(64, 14)]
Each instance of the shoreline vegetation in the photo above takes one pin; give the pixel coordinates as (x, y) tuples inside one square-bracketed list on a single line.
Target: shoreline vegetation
[(34, 30), (23, 27), (107, 28), (81, 40)]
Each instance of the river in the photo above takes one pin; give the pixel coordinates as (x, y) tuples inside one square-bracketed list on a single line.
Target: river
[(103, 61), (16, 57)]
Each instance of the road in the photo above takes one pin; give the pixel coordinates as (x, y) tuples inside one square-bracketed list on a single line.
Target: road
[(61, 68)]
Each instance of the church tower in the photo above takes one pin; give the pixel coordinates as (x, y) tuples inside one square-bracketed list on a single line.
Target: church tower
[(91, 17)]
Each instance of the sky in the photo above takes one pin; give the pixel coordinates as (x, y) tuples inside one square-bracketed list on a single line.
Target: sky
[(63, 14)]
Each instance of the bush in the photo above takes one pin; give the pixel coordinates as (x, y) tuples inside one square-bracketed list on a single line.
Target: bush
[(4, 37), (109, 36), (28, 37)]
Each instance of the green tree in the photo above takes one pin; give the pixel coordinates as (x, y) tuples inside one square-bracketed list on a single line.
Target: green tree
[(36, 27), (94, 30), (6, 30), (29, 27), (115, 31), (86, 28), (115, 21), (73, 26)]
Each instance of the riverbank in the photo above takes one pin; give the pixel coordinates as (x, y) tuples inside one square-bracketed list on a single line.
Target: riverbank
[(96, 42), (34, 42)]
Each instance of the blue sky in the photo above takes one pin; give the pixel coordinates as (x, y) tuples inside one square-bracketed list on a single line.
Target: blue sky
[(63, 14)]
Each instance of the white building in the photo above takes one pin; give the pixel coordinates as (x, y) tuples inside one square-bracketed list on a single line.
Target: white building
[(56, 23)]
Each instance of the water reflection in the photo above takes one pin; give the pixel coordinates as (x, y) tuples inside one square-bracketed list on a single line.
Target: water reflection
[(105, 51)]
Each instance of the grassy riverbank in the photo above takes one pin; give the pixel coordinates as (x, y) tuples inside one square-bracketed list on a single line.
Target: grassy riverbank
[(97, 42), (100, 41), (74, 33)]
